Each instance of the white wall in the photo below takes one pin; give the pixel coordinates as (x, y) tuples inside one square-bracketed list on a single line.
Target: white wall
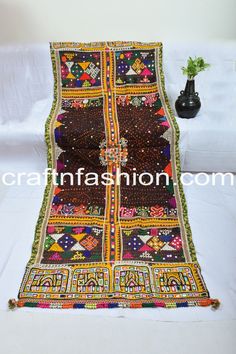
[(90, 20)]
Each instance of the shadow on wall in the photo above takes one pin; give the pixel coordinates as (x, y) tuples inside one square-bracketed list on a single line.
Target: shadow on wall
[(15, 23)]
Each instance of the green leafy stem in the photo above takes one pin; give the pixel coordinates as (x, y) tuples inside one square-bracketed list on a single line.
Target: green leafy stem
[(194, 66)]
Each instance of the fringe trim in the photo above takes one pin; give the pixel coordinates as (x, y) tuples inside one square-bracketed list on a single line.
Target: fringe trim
[(13, 304), (177, 158), (48, 141)]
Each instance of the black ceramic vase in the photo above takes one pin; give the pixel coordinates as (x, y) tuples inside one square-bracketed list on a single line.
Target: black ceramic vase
[(188, 103)]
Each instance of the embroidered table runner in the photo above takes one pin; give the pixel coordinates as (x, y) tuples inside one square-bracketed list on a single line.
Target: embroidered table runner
[(100, 244)]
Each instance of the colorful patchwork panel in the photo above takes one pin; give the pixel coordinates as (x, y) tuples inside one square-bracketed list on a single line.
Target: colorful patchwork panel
[(90, 280), (132, 279), (72, 245), (135, 67), (178, 280), (80, 69), (153, 245), (47, 281)]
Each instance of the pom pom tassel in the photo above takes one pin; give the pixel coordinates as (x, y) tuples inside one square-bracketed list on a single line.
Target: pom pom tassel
[(215, 304), (12, 304)]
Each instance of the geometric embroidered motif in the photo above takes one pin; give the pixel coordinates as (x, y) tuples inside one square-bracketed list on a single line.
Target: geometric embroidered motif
[(72, 244), (113, 154), (137, 66), (132, 279), (47, 281), (153, 245), (90, 280), (80, 69), (174, 279)]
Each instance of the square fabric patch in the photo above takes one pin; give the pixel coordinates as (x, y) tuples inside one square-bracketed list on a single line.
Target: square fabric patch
[(135, 67), (79, 69)]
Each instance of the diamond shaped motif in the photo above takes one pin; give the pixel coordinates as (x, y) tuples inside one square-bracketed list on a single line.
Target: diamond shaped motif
[(138, 66), (66, 242), (113, 153), (176, 243), (89, 242), (49, 241), (155, 243), (92, 70), (135, 243)]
